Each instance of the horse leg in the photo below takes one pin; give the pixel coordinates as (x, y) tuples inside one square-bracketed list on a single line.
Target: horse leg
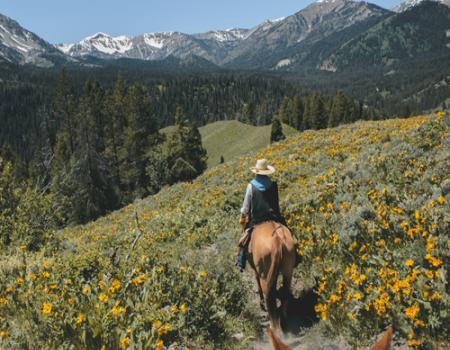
[(271, 301), (260, 291), (286, 294)]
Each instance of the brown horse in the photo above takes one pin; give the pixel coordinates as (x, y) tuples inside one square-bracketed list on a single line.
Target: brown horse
[(272, 252)]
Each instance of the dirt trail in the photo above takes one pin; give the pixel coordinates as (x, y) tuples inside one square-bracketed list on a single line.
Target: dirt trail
[(303, 331)]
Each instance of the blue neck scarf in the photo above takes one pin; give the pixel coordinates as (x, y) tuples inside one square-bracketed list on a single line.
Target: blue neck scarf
[(261, 182)]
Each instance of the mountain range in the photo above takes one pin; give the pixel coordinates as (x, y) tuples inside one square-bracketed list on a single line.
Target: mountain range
[(326, 35)]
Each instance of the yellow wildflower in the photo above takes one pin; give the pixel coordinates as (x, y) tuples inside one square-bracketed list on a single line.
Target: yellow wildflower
[(101, 284), (156, 324), (413, 342), (80, 319), (441, 200), (47, 308), (103, 297), (115, 284), (166, 328), (86, 290), (409, 262), (160, 331), (118, 310), (125, 343), (159, 345), (412, 311), (357, 296), (139, 279), (4, 334), (419, 323), (183, 308)]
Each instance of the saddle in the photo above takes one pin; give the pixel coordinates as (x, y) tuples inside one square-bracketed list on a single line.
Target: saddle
[(244, 241), (246, 237)]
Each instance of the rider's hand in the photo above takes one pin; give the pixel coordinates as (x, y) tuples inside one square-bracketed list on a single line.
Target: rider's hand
[(243, 220)]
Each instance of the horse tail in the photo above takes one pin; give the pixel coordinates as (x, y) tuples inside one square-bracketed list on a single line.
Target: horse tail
[(276, 342), (276, 257)]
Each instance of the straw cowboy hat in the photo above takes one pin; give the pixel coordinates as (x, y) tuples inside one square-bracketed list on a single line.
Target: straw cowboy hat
[(262, 168)]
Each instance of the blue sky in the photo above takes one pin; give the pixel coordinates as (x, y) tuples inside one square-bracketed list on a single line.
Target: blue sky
[(71, 20)]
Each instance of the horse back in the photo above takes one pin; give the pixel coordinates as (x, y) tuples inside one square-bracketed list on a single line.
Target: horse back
[(267, 237)]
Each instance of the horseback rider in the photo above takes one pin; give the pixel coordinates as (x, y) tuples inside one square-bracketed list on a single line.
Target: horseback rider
[(261, 204)]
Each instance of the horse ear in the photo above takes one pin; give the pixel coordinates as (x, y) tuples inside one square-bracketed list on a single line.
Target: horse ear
[(276, 342), (385, 342)]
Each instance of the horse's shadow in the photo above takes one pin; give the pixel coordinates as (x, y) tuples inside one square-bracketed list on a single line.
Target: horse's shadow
[(300, 312)]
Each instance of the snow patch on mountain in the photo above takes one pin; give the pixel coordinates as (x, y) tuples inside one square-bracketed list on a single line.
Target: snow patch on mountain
[(407, 4), (151, 40), (21, 46), (326, 1), (283, 63), (65, 48)]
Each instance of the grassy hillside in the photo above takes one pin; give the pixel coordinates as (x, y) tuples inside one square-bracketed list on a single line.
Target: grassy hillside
[(232, 138), (368, 203)]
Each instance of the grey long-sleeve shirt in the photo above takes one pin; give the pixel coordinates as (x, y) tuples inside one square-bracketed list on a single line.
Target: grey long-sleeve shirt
[(247, 200)]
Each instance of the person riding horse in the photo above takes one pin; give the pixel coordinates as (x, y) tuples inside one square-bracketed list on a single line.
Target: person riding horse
[(261, 204)]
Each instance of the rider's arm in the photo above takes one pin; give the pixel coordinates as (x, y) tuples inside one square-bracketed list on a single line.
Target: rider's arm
[(247, 200), (246, 206)]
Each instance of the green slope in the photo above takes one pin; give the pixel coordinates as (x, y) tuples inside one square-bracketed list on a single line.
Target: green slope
[(232, 138), (369, 204)]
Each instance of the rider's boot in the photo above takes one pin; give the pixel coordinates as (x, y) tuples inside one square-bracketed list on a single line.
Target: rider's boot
[(240, 260)]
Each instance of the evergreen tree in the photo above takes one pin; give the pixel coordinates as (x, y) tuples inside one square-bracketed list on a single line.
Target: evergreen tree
[(62, 126), (306, 122), (185, 148), (141, 128), (63, 111), (340, 111), (276, 133), (248, 113), (27, 217), (283, 111), (92, 191), (297, 113), (157, 168), (318, 113), (114, 127)]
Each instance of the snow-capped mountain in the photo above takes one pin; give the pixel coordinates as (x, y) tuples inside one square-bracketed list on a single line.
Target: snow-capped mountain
[(306, 38), (233, 47), (18, 45), (278, 41), (212, 45), (228, 35), (407, 4)]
